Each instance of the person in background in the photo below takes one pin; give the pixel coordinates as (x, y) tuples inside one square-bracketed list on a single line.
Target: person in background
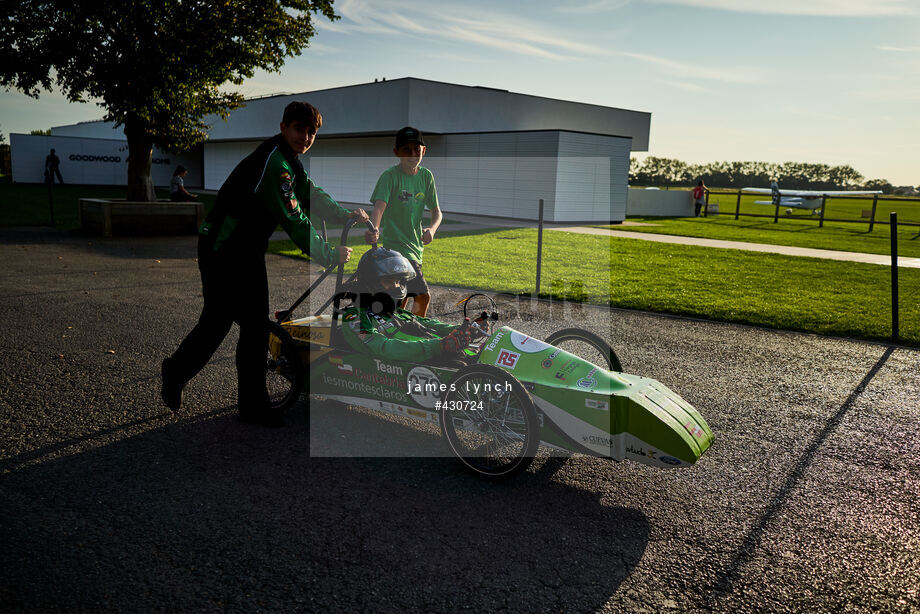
[(53, 168), (699, 197), (177, 191)]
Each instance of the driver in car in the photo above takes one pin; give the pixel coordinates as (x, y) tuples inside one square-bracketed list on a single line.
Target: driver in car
[(373, 324)]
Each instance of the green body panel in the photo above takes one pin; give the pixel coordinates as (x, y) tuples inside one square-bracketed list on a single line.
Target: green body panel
[(581, 407)]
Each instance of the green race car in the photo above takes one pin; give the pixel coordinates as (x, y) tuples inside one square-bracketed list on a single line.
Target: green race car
[(502, 398)]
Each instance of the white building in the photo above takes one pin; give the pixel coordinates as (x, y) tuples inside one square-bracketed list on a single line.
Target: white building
[(492, 152)]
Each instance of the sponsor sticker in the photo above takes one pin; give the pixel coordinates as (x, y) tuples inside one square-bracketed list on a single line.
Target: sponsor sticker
[(528, 344), (587, 381), (566, 369), (424, 386), (694, 430), (597, 440), (494, 342), (670, 460), (385, 368), (286, 188), (507, 359), (548, 363), (595, 404)]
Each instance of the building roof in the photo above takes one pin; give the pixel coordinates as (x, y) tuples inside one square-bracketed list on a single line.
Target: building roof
[(383, 107)]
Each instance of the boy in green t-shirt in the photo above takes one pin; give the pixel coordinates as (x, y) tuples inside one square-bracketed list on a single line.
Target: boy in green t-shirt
[(401, 196)]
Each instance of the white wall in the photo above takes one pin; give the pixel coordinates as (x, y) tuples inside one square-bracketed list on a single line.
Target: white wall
[(489, 174), (86, 161), (580, 177), (592, 179), (221, 158), (659, 203)]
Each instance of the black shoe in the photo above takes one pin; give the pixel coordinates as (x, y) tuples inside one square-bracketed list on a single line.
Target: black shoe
[(172, 387), (268, 417)]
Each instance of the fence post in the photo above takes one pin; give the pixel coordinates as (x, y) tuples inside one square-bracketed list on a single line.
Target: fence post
[(823, 207), (894, 275), (872, 219), (51, 201), (776, 213), (738, 204), (539, 245)]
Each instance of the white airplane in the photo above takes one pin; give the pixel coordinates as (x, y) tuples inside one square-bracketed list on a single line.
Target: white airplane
[(801, 199)]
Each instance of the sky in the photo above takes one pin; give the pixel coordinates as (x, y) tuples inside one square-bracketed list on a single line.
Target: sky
[(829, 81)]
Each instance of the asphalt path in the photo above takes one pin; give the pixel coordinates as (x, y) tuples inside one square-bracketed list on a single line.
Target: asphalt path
[(808, 501)]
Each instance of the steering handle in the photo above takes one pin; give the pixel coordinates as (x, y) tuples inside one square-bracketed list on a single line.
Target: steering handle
[(351, 222), (371, 228)]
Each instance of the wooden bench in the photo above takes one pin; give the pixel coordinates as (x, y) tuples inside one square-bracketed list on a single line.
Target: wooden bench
[(120, 217)]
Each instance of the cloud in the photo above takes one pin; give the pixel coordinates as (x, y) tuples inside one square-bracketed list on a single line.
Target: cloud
[(900, 49), (823, 8), (513, 34), (497, 31), (687, 86), (598, 6), (742, 74)]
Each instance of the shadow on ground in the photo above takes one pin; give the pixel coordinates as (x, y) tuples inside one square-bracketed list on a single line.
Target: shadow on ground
[(206, 512)]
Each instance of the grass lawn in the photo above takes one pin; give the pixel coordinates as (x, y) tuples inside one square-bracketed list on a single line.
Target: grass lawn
[(805, 294), (26, 204), (856, 208), (796, 232)]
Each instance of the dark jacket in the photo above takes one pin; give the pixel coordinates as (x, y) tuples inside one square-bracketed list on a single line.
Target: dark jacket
[(269, 187)]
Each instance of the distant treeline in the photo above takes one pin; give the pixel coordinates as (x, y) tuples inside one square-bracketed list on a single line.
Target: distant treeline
[(654, 171)]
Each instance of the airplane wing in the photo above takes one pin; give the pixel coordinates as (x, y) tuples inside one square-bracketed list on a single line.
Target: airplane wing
[(812, 193)]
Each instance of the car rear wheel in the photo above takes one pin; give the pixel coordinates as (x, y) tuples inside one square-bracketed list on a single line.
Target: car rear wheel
[(586, 345), (489, 422), (283, 371)]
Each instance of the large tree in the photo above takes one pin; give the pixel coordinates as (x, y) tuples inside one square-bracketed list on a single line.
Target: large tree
[(155, 66)]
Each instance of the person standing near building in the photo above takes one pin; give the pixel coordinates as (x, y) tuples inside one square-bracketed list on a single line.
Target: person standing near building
[(699, 197), (53, 168), (268, 187), (400, 197), (177, 191)]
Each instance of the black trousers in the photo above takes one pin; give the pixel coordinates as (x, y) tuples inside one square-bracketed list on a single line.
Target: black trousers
[(235, 289), (51, 173)]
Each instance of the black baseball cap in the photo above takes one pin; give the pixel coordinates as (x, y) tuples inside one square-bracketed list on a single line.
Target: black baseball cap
[(408, 135)]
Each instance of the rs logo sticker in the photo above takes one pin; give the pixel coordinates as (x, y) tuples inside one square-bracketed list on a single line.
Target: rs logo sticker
[(507, 359)]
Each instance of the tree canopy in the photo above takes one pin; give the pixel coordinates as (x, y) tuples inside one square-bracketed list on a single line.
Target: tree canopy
[(793, 175), (155, 66)]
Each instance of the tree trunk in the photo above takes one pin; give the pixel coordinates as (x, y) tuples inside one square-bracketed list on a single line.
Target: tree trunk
[(140, 158)]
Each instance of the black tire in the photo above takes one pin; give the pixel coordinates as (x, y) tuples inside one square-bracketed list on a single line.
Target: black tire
[(283, 370), (586, 345), (499, 440)]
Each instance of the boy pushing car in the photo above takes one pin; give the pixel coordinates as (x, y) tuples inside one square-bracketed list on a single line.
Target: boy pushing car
[(400, 198)]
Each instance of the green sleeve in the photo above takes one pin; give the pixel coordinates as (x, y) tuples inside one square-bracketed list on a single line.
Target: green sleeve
[(437, 326), (431, 194), (317, 200), (275, 192), (374, 342)]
